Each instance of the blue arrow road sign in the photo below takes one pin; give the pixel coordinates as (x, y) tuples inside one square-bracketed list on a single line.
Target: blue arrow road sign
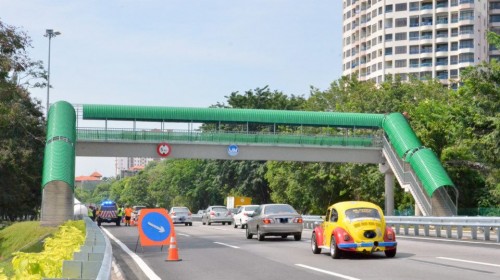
[(155, 226)]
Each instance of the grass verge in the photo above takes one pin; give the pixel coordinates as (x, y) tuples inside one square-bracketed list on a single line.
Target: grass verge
[(21, 237)]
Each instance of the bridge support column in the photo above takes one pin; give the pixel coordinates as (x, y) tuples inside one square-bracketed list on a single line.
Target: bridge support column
[(389, 194), (389, 188)]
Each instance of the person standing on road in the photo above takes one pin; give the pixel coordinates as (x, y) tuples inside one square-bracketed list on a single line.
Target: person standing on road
[(119, 213), (91, 212), (128, 215)]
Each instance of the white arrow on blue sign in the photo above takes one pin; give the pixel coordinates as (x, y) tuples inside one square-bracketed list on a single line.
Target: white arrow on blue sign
[(155, 226)]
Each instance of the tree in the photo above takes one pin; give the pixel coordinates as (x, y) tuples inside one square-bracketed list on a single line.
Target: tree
[(22, 127)]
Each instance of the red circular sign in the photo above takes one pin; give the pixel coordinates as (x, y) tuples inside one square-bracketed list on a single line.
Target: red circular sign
[(163, 149)]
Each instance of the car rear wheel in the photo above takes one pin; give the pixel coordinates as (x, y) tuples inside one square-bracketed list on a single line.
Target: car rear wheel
[(249, 235), (209, 223), (297, 236), (260, 235), (190, 224), (203, 223), (314, 244), (334, 250), (229, 223), (390, 253)]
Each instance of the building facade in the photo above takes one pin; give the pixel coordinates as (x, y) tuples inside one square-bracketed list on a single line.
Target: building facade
[(426, 39), (125, 164)]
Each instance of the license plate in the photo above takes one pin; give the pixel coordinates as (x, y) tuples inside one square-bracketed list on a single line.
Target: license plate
[(283, 220)]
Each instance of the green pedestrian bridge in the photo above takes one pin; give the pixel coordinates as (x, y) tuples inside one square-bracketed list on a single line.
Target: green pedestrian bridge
[(252, 134)]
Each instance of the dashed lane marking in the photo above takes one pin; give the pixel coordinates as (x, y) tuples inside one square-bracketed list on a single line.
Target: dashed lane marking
[(327, 272), (224, 244), (466, 261)]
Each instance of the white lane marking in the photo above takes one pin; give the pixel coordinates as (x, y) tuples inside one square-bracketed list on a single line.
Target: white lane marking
[(327, 272), (142, 265), (183, 234), (466, 261), (235, 247), (447, 240)]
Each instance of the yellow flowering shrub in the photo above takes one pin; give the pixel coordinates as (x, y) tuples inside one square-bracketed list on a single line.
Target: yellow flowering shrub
[(48, 263)]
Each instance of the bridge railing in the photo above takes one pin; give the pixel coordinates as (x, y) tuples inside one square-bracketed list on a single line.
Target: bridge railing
[(135, 135), (474, 228)]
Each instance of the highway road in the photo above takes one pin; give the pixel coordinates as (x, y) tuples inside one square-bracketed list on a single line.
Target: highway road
[(223, 252)]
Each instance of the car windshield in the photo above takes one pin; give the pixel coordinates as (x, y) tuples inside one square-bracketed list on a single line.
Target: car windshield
[(362, 213), (180, 209), (279, 209), (219, 209)]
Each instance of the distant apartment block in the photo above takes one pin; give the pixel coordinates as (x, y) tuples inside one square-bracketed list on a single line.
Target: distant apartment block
[(129, 166), (425, 39)]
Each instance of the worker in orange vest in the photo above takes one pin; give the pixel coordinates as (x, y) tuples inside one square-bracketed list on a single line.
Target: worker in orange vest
[(128, 215)]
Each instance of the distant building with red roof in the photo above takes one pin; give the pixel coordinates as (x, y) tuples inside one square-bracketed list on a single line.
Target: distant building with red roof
[(88, 182)]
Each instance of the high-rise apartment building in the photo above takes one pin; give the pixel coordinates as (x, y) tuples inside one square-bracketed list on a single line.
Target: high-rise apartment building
[(127, 163), (424, 39)]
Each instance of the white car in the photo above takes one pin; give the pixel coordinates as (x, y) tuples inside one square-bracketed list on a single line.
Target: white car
[(241, 217), (181, 215)]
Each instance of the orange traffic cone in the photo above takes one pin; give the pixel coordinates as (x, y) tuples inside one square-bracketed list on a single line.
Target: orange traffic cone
[(173, 253)]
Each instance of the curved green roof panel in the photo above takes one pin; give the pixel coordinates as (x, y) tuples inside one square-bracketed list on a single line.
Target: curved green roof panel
[(402, 137), (61, 121), (59, 163), (429, 170), (59, 156), (202, 115)]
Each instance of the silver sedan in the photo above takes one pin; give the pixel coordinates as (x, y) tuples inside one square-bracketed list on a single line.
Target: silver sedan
[(274, 220)]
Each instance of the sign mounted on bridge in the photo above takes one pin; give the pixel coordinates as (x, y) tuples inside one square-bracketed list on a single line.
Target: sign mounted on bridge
[(232, 150), (155, 227), (163, 149)]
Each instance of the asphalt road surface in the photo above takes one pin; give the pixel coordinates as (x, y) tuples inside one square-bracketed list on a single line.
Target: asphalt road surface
[(223, 252)]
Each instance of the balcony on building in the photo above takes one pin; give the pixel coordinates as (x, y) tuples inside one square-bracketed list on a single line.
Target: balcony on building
[(466, 4), (442, 75), (494, 8), (441, 63)]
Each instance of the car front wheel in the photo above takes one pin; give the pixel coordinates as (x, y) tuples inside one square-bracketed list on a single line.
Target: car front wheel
[(334, 250), (314, 244)]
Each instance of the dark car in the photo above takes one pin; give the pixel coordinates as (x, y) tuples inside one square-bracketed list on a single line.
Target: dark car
[(107, 213)]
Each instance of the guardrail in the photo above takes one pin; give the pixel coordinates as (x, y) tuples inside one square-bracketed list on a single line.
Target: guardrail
[(474, 228), (94, 259), (455, 227)]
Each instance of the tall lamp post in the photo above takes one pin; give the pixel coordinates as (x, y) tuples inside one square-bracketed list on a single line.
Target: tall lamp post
[(49, 33)]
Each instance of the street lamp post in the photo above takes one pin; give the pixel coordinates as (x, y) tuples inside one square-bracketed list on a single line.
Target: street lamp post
[(49, 33)]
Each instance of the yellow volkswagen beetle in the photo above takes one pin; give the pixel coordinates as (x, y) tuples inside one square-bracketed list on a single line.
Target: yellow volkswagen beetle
[(354, 226)]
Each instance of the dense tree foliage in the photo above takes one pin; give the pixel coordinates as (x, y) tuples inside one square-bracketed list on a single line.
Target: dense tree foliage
[(22, 127)]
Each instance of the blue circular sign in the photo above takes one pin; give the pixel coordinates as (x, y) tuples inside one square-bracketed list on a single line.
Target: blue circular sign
[(155, 226), (232, 150)]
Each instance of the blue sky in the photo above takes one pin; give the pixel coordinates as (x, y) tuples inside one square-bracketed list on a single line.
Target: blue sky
[(179, 53)]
